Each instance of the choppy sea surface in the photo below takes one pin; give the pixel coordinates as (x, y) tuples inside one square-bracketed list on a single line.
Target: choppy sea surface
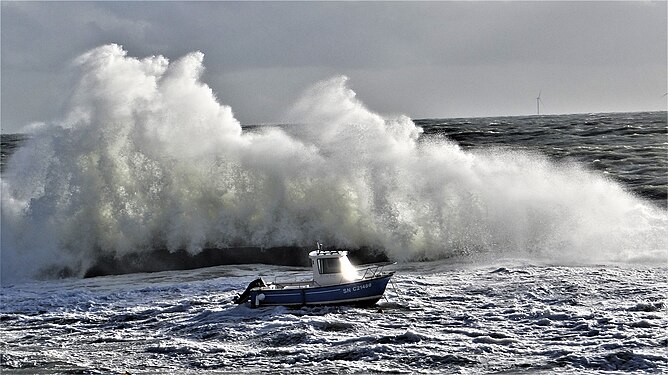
[(443, 317), (628, 147), (495, 313)]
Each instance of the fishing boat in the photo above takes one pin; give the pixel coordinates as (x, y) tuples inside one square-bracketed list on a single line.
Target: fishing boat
[(335, 282)]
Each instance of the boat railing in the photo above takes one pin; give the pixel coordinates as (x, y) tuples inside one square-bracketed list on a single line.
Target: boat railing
[(374, 270)]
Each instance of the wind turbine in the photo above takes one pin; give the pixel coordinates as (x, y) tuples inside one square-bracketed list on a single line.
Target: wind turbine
[(538, 101)]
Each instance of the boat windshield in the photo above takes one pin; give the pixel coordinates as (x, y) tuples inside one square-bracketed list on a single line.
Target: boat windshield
[(329, 265)]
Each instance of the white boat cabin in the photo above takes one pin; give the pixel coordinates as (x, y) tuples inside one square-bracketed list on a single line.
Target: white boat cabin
[(332, 267)]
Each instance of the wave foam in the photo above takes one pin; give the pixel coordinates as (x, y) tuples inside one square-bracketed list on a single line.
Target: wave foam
[(147, 158)]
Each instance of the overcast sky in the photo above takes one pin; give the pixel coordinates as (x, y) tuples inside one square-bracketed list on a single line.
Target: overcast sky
[(435, 59)]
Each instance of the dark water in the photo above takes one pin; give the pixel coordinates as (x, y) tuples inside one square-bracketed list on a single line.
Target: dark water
[(631, 148), (8, 144)]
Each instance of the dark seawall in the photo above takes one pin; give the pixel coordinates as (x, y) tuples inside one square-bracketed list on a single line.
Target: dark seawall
[(163, 260)]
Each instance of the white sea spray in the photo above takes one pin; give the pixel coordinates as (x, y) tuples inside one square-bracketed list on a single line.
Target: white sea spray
[(146, 157)]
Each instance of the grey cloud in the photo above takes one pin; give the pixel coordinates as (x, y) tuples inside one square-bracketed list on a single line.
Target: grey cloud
[(420, 58)]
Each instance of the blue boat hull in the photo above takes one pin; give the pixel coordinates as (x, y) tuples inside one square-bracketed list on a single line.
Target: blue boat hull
[(362, 292)]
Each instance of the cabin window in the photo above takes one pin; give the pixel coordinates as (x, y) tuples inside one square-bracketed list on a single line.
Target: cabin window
[(329, 265)]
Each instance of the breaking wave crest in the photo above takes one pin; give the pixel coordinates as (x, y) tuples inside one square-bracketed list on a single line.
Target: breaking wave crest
[(147, 158)]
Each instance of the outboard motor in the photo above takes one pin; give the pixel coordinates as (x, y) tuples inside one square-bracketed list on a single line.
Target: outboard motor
[(243, 297)]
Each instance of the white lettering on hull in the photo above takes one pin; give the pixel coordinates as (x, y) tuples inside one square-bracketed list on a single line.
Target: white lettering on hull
[(356, 288)]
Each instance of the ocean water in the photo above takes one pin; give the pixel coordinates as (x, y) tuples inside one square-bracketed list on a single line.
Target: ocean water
[(529, 244), (446, 318), (629, 148)]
